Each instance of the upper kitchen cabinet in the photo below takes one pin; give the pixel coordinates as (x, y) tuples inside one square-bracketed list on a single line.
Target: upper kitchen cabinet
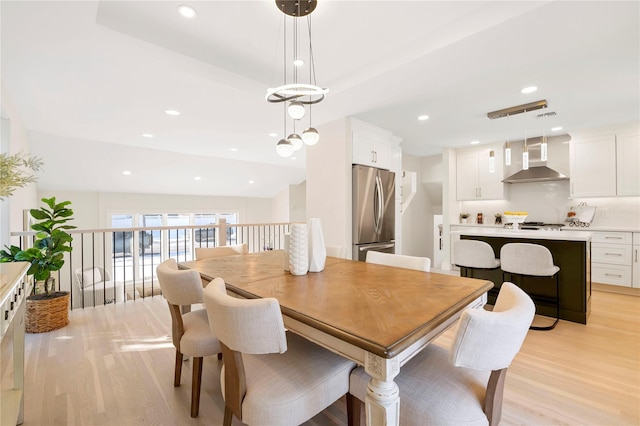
[(476, 180), (627, 167), (373, 146), (605, 166)]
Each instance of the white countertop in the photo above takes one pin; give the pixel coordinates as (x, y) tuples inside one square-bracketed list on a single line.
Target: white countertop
[(531, 234), (603, 228)]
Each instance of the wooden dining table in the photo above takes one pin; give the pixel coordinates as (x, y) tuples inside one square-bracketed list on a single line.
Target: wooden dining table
[(378, 316)]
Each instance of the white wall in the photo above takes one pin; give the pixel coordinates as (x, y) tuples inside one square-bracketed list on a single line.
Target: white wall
[(298, 202), (13, 137), (417, 218), (280, 206), (94, 209), (328, 187)]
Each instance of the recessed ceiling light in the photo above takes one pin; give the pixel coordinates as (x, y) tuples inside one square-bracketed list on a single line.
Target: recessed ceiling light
[(126, 172), (273, 135), (423, 117), (172, 112), (197, 178), (187, 11), (251, 182), (298, 62), (147, 135), (529, 89), (233, 149), (475, 142), (556, 129)]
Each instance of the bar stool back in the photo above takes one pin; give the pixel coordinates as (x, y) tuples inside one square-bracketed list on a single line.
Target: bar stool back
[(472, 254), (531, 260)]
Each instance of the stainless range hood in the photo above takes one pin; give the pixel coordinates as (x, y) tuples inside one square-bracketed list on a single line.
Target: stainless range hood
[(538, 170)]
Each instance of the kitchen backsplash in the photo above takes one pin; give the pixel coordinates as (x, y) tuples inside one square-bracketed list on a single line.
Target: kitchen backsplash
[(549, 202)]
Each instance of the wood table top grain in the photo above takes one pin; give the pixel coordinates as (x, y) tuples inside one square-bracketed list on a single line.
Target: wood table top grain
[(380, 309)]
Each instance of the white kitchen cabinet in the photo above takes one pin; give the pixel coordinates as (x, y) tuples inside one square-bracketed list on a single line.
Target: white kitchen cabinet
[(611, 258), (606, 166), (371, 147), (474, 179), (635, 261), (627, 167), (593, 167)]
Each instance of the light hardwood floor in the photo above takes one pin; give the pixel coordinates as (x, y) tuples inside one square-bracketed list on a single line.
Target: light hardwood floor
[(113, 365)]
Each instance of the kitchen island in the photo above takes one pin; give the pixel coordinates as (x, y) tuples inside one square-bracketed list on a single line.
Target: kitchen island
[(571, 253)]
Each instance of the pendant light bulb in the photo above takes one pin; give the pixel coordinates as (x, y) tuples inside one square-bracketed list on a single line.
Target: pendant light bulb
[(310, 136), (296, 110), (284, 148), (507, 154), (296, 141), (543, 149)]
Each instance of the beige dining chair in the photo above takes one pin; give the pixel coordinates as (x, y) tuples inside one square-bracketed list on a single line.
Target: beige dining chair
[(270, 377), (399, 260), (463, 384), (191, 333), (211, 252), (536, 262)]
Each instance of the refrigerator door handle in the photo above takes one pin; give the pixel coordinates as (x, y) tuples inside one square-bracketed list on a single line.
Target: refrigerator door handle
[(376, 246), (378, 205)]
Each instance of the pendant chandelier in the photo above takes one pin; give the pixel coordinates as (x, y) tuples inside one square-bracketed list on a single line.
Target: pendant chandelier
[(295, 95)]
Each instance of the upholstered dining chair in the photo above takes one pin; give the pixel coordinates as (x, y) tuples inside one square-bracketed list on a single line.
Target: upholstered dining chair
[(191, 333), (210, 252), (270, 377), (462, 385), (534, 261), (399, 260)]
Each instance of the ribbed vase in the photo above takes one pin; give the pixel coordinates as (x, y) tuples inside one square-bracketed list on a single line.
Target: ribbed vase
[(298, 250), (317, 250)]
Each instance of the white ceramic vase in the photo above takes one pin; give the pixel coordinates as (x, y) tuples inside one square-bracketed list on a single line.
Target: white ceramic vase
[(317, 250), (287, 243), (298, 250)]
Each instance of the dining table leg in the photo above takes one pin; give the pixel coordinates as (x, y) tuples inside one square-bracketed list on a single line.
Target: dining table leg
[(382, 402)]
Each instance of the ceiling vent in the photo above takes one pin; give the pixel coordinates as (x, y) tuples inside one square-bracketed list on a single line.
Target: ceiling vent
[(517, 109)]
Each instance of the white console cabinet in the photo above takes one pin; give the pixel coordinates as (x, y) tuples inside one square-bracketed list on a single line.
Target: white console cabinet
[(13, 291)]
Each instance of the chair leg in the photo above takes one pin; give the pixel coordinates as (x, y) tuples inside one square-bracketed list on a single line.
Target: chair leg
[(552, 326), (354, 410), (178, 370), (196, 381), (228, 416)]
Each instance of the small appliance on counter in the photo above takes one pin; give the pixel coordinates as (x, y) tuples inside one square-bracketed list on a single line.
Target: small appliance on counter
[(580, 215)]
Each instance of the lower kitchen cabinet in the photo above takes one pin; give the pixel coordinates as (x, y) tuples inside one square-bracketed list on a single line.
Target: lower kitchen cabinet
[(611, 258)]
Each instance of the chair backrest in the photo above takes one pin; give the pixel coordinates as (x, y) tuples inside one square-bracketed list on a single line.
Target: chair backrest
[(489, 340), (474, 254), (527, 259), (210, 252), (399, 260), (179, 287), (252, 326)]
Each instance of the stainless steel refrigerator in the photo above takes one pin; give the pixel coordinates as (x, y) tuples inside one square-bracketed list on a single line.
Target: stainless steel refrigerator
[(374, 211)]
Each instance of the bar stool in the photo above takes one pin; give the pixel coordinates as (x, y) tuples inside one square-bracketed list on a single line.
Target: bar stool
[(473, 255), (535, 261)]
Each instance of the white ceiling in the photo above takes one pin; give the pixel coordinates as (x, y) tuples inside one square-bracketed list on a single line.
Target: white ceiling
[(88, 78)]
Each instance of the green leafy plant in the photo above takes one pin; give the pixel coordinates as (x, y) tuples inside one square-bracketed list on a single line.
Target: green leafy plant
[(52, 241), (14, 172), (464, 215)]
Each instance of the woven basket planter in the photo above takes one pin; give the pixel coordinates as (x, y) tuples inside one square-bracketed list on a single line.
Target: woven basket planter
[(47, 314)]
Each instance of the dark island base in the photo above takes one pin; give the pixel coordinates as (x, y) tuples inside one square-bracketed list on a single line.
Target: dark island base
[(573, 259)]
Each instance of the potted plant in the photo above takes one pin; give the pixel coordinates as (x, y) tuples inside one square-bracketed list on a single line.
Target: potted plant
[(464, 217), (49, 310)]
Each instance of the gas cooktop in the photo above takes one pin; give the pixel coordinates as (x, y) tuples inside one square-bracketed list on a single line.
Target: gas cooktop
[(541, 225)]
